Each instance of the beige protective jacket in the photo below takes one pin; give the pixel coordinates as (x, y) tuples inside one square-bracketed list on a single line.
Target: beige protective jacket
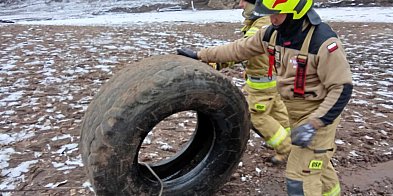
[(259, 65), (328, 75)]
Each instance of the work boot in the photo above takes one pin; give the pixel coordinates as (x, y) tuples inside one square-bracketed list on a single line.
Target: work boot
[(279, 159)]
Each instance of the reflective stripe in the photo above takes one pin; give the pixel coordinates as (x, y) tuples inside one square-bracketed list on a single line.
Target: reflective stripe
[(288, 129), (261, 85), (334, 192), (278, 137), (244, 29), (261, 79), (251, 32)]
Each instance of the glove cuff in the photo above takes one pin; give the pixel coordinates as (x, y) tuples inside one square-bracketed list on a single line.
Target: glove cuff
[(316, 123), (198, 55)]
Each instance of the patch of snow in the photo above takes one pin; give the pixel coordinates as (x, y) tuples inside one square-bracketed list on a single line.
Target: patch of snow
[(13, 175), (5, 154), (67, 148), (54, 185), (75, 161), (164, 146), (6, 139), (12, 98), (37, 154), (368, 137), (383, 132), (378, 114), (357, 101), (347, 14), (258, 170), (87, 184), (390, 107), (61, 137), (339, 142), (353, 153), (243, 178)]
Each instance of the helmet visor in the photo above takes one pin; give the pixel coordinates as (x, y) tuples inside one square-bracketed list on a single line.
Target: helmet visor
[(261, 9)]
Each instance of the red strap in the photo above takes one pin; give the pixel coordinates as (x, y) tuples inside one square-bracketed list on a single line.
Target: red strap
[(272, 61), (300, 78)]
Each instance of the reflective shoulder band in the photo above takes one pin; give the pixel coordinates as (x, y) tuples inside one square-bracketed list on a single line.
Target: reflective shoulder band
[(244, 29), (251, 32)]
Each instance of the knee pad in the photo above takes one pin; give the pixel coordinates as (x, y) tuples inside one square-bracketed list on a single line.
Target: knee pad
[(294, 187)]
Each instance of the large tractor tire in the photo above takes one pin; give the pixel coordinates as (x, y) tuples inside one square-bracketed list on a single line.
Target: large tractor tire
[(136, 99)]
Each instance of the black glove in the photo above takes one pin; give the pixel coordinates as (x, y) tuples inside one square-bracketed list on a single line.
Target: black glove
[(302, 135), (188, 53)]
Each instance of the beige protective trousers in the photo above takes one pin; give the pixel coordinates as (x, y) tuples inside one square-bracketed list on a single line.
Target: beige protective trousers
[(309, 170), (269, 117)]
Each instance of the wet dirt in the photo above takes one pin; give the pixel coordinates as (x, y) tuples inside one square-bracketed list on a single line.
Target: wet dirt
[(60, 69)]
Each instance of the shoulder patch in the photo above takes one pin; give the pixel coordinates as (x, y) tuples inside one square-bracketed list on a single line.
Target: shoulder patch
[(332, 47)]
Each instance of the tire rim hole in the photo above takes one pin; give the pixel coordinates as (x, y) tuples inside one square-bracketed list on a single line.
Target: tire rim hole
[(196, 141), (168, 137)]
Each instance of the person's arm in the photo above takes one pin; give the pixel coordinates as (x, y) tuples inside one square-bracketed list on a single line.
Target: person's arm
[(237, 51), (262, 22), (334, 73)]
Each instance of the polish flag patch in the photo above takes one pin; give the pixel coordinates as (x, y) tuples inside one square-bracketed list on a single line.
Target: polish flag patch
[(332, 47)]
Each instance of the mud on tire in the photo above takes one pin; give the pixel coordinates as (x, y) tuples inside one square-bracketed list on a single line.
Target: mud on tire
[(136, 99)]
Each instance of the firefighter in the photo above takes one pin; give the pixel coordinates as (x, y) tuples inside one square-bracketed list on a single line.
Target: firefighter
[(313, 79), (269, 115)]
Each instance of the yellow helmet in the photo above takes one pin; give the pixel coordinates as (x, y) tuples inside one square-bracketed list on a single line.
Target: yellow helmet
[(296, 7)]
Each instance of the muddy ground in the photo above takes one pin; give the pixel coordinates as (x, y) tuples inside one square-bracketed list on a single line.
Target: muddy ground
[(56, 70)]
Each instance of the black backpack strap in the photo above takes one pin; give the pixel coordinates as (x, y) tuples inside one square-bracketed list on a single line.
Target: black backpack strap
[(268, 33)]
